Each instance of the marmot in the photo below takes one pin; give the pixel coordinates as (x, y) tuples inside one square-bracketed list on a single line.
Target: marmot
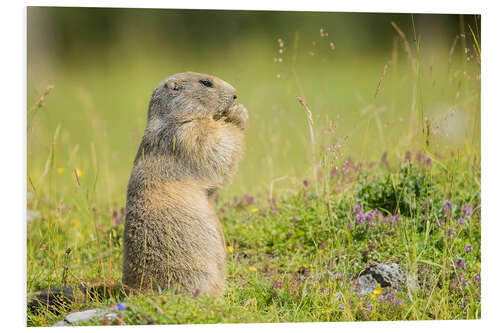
[(191, 147)]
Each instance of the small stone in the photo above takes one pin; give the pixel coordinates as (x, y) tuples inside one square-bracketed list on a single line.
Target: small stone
[(75, 317), (386, 275)]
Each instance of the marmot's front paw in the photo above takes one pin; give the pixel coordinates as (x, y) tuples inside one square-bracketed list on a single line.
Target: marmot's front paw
[(238, 115)]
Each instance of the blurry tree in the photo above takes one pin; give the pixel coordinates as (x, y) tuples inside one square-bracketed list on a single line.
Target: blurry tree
[(70, 33)]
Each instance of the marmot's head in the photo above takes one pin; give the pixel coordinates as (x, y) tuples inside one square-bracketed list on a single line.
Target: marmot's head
[(188, 94)]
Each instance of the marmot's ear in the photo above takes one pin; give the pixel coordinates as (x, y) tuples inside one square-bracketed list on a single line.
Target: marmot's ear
[(172, 84)]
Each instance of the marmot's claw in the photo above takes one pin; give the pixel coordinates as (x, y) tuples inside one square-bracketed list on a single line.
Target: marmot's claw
[(238, 115)]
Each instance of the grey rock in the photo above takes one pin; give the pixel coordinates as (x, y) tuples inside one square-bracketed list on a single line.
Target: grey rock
[(386, 275), (75, 317)]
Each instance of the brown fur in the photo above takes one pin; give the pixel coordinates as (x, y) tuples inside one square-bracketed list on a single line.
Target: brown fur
[(191, 147)]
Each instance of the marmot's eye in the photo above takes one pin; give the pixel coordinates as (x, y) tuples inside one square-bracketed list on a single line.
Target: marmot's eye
[(207, 83)]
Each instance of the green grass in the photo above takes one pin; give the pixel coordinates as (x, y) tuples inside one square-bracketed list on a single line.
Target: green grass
[(280, 247), (289, 234)]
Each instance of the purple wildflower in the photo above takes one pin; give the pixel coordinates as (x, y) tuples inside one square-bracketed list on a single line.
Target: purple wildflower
[(370, 218), (367, 309), (118, 218), (468, 248), (447, 208), (477, 279), (387, 295), (463, 303), (462, 282), (391, 297), (121, 306), (247, 199), (460, 264), (273, 207), (196, 293), (467, 210), (306, 183), (360, 217), (341, 307), (277, 284), (357, 209), (460, 220), (392, 220)]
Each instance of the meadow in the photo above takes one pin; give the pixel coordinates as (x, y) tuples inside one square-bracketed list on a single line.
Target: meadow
[(378, 160)]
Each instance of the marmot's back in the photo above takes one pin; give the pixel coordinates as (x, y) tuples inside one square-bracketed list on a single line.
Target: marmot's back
[(191, 147)]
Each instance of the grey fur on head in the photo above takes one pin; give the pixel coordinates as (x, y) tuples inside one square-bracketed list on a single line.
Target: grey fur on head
[(178, 99), (177, 96)]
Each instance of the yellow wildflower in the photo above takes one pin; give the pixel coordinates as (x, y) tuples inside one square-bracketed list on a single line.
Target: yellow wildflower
[(79, 172), (376, 292), (255, 210), (230, 249), (60, 170), (252, 269)]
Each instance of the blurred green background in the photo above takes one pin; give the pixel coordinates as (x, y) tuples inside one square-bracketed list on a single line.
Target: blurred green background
[(104, 64)]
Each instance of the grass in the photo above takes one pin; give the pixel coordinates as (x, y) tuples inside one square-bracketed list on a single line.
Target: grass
[(381, 168)]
